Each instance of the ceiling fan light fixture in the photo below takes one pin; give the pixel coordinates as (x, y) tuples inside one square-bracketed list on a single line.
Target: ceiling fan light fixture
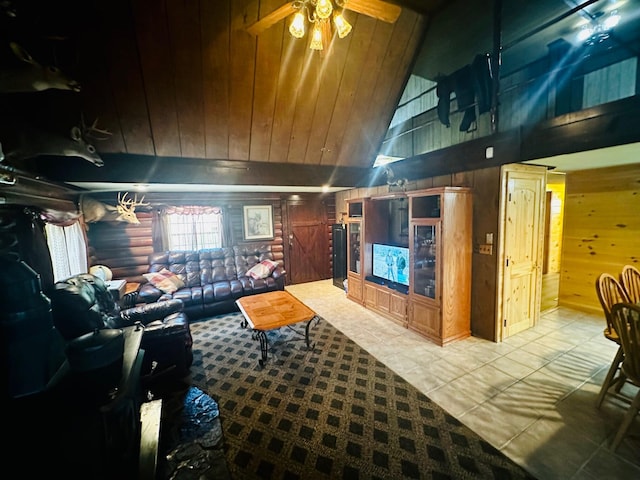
[(342, 26), (612, 20), (296, 29), (324, 8), (316, 37)]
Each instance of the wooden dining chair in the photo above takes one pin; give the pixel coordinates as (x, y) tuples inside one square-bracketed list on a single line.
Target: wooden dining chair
[(626, 321), (610, 292), (630, 280)]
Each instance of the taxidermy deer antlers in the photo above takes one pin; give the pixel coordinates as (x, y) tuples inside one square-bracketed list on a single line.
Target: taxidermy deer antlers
[(96, 211)]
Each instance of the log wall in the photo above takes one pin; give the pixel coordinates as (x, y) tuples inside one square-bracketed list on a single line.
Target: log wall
[(125, 248)]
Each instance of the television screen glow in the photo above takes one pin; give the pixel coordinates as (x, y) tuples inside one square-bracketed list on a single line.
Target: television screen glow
[(391, 263)]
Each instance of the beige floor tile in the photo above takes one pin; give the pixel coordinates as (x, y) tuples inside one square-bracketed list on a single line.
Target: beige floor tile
[(452, 400), (512, 367), (549, 449), (605, 465), (493, 424), (490, 375), (534, 393)]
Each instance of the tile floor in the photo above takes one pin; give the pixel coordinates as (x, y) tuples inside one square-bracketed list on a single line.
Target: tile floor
[(531, 396)]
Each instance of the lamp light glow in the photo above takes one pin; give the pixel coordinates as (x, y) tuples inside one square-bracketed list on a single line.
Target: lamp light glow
[(324, 9), (296, 29), (612, 20), (316, 37), (342, 26)]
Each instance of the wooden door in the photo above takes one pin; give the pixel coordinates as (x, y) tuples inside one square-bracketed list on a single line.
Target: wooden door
[(522, 246), (308, 250)]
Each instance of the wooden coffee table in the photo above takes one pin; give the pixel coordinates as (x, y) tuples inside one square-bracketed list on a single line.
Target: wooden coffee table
[(272, 310)]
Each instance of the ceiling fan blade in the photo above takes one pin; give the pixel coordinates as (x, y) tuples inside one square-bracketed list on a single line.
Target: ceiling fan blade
[(272, 18), (375, 8)]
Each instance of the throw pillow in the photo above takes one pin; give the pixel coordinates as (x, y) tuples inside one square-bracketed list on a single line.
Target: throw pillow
[(165, 280), (262, 269)]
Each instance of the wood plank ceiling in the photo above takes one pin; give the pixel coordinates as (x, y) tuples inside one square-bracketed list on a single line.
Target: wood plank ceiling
[(191, 97)]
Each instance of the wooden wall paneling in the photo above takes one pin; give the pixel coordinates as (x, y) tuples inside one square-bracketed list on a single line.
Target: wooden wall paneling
[(556, 187), (125, 77), (291, 68), (405, 40), (215, 75), (333, 67), (360, 40), (356, 126), (242, 51), (601, 230), (97, 95), (386, 88), (268, 51), (183, 19), (309, 85), (158, 73), (486, 201)]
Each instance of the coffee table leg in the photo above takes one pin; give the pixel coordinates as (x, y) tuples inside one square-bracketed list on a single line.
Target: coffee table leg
[(264, 346), (306, 333)]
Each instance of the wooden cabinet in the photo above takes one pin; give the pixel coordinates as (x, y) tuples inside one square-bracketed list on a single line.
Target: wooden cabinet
[(440, 238), (388, 302), (436, 225), (355, 228)]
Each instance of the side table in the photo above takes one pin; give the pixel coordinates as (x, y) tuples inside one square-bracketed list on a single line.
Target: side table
[(130, 296)]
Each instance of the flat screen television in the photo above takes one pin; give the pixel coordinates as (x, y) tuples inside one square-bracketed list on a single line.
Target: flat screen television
[(391, 263)]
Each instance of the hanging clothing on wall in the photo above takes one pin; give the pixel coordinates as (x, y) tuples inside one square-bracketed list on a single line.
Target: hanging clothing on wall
[(444, 87), (465, 96), (472, 86), (482, 81)]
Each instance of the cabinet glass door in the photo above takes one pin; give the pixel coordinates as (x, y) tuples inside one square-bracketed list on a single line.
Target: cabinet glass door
[(354, 247), (425, 257)]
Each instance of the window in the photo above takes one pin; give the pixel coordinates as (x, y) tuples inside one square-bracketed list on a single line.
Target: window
[(193, 228), (68, 250)]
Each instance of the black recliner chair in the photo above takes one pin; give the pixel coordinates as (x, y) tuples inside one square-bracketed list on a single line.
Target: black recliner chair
[(82, 304)]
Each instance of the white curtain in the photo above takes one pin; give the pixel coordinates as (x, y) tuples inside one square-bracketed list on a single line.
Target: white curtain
[(68, 250), (193, 227)]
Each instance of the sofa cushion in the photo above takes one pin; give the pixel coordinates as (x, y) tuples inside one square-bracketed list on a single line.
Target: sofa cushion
[(262, 269), (165, 280)]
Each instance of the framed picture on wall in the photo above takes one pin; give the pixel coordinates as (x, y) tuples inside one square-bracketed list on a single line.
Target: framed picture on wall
[(258, 222)]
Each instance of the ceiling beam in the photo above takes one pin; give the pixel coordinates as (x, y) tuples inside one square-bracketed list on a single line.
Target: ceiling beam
[(122, 168)]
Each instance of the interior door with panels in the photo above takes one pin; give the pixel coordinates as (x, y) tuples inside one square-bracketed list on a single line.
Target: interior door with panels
[(522, 230)]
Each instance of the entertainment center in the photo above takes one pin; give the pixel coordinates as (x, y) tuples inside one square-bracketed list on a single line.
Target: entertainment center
[(409, 259)]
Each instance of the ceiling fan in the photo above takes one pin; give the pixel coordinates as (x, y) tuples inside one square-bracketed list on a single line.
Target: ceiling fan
[(377, 9)]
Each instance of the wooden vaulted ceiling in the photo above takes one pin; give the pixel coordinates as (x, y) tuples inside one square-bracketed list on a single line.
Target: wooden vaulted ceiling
[(191, 97)]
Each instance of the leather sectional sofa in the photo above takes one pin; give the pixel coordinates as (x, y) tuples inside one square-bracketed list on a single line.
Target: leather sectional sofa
[(209, 281)]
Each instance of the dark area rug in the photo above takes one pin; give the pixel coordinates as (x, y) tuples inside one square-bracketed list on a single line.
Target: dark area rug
[(331, 412)]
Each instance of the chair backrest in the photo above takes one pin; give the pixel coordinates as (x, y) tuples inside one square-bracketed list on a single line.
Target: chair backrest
[(626, 320), (630, 280), (610, 292)]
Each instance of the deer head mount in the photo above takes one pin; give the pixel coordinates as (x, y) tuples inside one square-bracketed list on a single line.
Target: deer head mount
[(31, 142), (96, 211), (31, 76)]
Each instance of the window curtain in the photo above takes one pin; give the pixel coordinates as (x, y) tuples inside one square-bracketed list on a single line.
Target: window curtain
[(68, 250), (160, 226), (200, 223), (159, 231)]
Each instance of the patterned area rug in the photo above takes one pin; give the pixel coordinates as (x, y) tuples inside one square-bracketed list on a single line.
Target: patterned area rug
[(331, 412)]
